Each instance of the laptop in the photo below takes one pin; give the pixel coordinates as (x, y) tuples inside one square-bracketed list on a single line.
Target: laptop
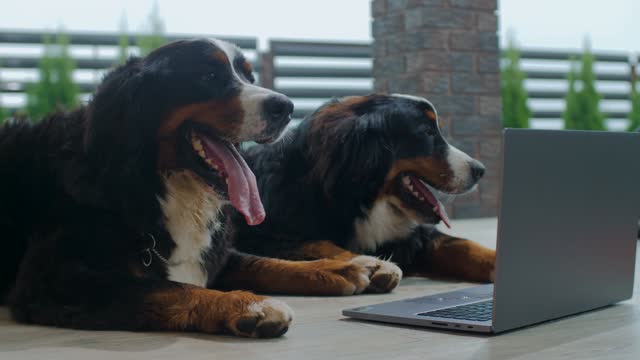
[(567, 226)]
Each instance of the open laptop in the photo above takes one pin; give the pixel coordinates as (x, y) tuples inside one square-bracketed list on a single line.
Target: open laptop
[(567, 231)]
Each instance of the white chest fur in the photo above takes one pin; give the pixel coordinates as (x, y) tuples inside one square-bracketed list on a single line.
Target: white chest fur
[(382, 224), (190, 210)]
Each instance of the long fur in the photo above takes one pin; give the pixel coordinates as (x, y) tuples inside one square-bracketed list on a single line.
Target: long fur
[(330, 180), (101, 228)]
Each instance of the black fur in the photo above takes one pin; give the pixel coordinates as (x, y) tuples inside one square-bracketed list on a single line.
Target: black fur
[(79, 195), (327, 173)]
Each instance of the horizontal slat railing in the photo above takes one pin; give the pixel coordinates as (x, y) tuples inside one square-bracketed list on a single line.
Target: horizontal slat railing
[(20, 87), (562, 75), (559, 94), (95, 63), (551, 114), (322, 72), (97, 39), (316, 93), (319, 49), (312, 72), (358, 51), (332, 62), (566, 55), (613, 72), (32, 62)]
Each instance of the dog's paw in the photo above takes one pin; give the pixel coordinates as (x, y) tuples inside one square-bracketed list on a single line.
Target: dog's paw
[(268, 318), (384, 275), (347, 278)]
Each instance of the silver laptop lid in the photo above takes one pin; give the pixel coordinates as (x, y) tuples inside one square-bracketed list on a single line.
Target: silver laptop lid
[(567, 225)]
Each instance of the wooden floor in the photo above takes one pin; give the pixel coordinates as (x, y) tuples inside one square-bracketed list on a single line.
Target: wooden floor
[(320, 332)]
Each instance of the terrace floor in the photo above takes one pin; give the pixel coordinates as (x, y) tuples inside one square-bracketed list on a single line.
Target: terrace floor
[(320, 332)]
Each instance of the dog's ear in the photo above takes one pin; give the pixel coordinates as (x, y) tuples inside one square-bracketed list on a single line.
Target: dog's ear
[(350, 156), (127, 104), (119, 139), (108, 111)]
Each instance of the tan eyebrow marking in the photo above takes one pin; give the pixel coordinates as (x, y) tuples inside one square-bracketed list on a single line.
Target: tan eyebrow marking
[(431, 115), (220, 56), (246, 66)]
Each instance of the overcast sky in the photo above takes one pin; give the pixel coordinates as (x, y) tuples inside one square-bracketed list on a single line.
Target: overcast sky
[(611, 24)]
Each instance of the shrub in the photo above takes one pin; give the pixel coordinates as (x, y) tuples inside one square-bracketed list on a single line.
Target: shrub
[(3, 112), (155, 38), (55, 89), (123, 41), (515, 111), (634, 114), (582, 110), (571, 111)]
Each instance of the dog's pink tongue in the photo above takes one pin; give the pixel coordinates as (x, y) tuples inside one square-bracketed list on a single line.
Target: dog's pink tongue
[(241, 182), (438, 207)]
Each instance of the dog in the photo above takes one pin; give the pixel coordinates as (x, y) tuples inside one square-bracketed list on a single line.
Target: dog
[(365, 175), (115, 215)]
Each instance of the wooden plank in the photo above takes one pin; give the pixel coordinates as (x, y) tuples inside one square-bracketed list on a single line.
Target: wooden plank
[(20, 87), (319, 331), (560, 94), (321, 93), (566, 55), (553, 114), (323, 72), (562, 75), (320, 49)]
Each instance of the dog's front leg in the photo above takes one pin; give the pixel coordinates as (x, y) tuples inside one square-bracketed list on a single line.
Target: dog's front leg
[(428, 251), (325, 276), (461, 258), (89, 301)]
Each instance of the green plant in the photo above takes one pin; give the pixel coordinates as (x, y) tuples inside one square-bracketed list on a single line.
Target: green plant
[(515, 111), (634, 114), (583, 106), (3, 112), (155, 38), (3, 115), (123, 41), (55, 89), (572, 110)]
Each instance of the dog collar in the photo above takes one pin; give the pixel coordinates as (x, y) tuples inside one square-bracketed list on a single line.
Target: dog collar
[(149, 252)]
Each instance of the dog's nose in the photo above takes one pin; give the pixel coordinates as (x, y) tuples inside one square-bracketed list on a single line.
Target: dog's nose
[(477, 170), (278, 108)]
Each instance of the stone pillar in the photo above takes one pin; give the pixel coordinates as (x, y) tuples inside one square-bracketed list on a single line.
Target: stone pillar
[(447, 51)]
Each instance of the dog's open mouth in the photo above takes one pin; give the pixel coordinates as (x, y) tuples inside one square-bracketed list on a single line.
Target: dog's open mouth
[(422, 197), (222, 166)]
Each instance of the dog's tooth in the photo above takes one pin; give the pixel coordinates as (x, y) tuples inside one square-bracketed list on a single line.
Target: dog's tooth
[(415, 194), (201, 153), (406, 180), (198, 146), (421, 198)]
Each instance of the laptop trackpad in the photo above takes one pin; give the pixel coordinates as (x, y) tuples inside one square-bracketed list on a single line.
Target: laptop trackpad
[(458, 297)]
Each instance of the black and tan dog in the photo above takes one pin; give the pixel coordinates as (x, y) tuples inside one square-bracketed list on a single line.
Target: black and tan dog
[(114, 215), (363, 175)]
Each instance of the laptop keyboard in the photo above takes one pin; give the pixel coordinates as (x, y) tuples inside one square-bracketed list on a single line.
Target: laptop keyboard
[(480, 311)]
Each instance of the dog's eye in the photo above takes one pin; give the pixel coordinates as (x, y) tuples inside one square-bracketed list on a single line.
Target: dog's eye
[(426, 130)]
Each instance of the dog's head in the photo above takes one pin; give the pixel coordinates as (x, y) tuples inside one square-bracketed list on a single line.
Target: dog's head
[(186, 106), (388, 148)]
